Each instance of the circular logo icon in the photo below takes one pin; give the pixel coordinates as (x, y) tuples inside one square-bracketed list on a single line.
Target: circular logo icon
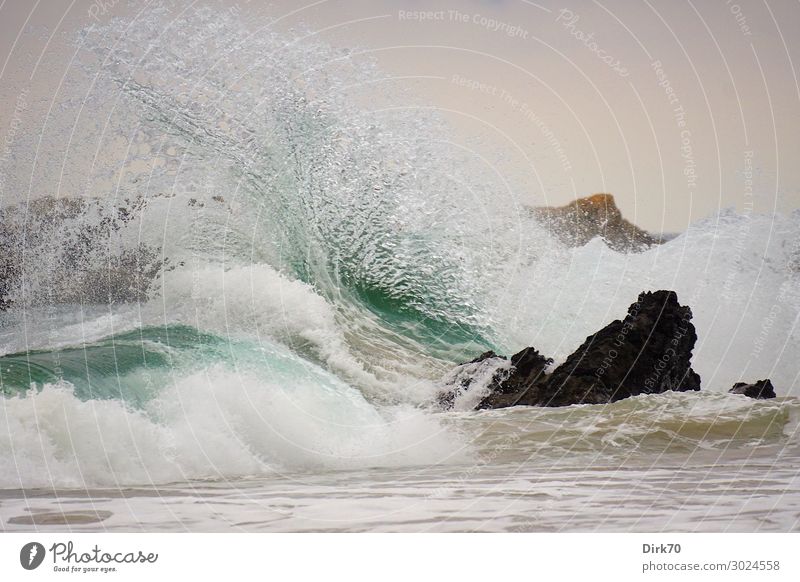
[(31, 555)]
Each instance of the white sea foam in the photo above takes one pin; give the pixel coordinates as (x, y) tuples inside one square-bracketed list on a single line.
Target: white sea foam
[(739, 274), (472, 381), (214, 424)]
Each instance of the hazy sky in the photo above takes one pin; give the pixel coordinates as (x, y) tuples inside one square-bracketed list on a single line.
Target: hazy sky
[(676, 107)]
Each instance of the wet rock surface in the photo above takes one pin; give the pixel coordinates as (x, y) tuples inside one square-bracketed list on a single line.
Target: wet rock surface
[(760, 390), (647, 352)]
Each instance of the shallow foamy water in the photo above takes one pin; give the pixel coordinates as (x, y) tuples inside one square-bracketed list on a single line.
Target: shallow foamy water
[(571, 469)]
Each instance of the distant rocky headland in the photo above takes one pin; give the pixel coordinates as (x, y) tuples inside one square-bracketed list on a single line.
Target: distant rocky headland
[(595, 216)]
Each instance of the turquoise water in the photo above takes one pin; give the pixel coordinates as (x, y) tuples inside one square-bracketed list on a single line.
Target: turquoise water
[(114, 367)]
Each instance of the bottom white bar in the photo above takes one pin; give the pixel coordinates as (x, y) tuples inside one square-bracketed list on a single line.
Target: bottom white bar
[(375, 557)]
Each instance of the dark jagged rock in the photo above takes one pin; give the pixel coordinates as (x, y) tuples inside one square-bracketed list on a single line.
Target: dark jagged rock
[(648, 352), (528, 368), (761, 390), (464, 377), (591, 217)]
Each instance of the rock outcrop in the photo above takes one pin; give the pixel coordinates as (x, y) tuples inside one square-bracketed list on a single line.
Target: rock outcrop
[(594, 216), (527, 369), (761, 390), (648, 352)]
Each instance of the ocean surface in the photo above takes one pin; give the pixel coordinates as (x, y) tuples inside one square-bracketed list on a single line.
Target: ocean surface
[(325, 257)]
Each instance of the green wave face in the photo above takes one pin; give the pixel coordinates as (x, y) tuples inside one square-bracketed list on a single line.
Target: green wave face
[(368, 207), (131, 367)]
